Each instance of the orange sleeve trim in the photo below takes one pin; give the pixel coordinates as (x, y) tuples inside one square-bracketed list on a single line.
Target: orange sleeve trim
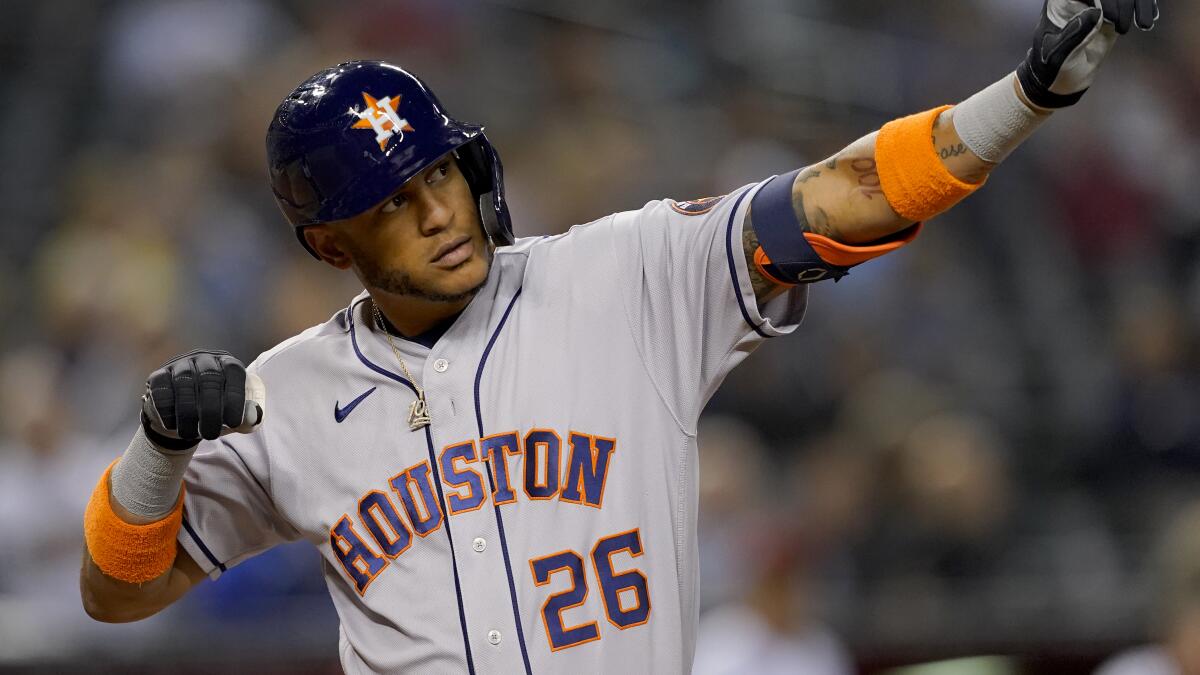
[(839, 254), (914, 180), (131, 553), (761, 260), (848, 255)]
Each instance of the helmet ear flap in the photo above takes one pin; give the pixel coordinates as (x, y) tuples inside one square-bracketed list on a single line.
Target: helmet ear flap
[(491, 223), (481, 168), (474, 168)]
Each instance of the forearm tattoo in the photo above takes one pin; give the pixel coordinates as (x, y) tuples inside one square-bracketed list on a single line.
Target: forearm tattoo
[(955, 154), (952, 151), (866, 172), (819, 224), (763, 287)]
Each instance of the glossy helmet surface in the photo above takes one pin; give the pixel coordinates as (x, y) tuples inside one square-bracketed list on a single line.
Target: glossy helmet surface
[(348, 137)]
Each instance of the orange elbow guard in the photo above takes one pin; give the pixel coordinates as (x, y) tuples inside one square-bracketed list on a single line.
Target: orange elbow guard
[(131, 553), (914, 180)]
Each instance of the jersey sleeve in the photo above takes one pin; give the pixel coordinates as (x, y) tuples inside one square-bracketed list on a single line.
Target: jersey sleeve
[(228, 512), (688, 295)]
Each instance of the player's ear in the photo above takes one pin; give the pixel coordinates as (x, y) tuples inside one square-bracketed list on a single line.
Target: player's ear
[(324, 241)]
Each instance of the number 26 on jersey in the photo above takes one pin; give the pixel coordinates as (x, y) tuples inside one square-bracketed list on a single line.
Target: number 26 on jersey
[(625, 594)]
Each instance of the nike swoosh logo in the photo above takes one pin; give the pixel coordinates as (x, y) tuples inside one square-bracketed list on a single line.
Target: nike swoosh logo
[(340, 413)]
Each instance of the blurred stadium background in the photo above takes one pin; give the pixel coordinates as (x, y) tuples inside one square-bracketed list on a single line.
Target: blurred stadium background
[(973, 447)]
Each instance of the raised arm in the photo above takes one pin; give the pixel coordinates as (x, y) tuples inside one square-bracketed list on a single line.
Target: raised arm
[(133, 566), (865, 200), (842, 197)]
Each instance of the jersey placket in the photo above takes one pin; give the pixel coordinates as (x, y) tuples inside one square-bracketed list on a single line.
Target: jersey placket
[(449, 374)]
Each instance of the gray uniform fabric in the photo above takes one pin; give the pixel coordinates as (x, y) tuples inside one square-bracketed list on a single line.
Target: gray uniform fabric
[(584, 362)]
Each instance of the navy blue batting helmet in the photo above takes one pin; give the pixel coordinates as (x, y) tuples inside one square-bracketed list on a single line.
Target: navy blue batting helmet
[(348, 137)]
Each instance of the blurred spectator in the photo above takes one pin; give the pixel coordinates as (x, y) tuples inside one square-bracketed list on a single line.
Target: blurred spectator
[(733, 473), (762, 609), (47, 473), (772, 630), (1177, 616)]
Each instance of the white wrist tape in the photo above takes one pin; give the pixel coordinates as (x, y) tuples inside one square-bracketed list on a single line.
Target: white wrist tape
[(995, 121), (146, 481)]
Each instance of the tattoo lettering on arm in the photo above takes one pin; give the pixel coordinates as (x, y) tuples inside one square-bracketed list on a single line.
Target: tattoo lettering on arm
[(952, 151), (866, 172)]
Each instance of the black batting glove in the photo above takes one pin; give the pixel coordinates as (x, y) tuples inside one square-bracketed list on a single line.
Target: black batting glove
[(199, 395), (1072, 38)]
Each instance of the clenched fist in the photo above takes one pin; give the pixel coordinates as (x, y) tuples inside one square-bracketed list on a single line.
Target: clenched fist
[(201, 394), (1072, 38)]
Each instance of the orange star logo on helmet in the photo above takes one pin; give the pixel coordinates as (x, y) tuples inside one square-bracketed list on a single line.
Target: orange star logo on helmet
[(383, 116)]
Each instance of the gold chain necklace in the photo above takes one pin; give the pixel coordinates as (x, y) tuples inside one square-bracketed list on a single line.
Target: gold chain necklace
[(418, 412)]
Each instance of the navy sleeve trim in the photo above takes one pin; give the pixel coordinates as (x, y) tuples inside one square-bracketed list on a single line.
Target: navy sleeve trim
[(737, 286), (203, 548)]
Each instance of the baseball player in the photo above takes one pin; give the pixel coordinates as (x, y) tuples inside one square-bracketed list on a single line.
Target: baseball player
[(493, 445)]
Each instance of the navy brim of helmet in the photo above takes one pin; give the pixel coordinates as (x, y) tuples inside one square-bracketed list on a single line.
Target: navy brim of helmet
[(365, 188)]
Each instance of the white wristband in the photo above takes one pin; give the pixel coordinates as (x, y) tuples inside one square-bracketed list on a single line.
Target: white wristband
[(147, 479), (993, 122)]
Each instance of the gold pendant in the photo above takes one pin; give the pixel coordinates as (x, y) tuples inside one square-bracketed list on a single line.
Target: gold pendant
[(418, 414)]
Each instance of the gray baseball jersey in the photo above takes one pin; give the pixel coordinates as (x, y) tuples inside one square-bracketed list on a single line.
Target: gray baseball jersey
[(546, 520)]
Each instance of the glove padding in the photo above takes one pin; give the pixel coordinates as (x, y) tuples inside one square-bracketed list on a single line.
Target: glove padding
[(1072, 38), (201, 394)]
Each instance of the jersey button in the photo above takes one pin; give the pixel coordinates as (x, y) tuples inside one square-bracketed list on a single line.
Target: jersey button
[(479, 544), (494, 637), (441, 365)]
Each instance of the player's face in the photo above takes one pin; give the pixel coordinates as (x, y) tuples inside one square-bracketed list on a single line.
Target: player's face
[(424, 241)]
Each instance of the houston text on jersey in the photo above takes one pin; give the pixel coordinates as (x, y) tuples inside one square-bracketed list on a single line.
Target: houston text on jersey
[(408, 504)]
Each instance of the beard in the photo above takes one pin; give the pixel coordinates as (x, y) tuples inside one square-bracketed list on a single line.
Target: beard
[(399, 282)]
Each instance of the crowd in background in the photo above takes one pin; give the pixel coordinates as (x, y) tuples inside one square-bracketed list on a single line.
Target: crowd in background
[(970, 446)]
